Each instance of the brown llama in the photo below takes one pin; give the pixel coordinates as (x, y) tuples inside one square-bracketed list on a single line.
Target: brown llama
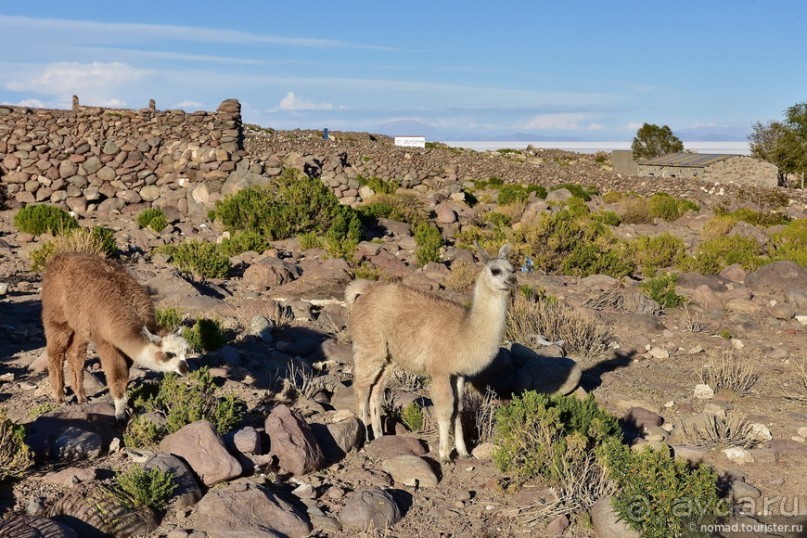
[(86, 299)]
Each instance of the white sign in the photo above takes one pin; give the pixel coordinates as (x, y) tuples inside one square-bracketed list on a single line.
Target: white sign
[(411, 141)]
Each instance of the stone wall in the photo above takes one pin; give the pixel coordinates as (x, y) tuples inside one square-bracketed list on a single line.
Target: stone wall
[(743, 169), (95, 159), (736, 169)]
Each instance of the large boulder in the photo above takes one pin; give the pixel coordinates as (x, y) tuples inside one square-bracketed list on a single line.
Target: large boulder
[(293, 442), (199, 445)]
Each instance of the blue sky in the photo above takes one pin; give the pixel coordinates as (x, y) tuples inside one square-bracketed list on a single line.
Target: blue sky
[(587, 70)]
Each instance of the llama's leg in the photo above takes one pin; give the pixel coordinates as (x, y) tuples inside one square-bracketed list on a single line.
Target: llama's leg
[(365, 375), (459, 436), (58, 340), (442, 393), (377, 398), (76, 354), (116, 370)]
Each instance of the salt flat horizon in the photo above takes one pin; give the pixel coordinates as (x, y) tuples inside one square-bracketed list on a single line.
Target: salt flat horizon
[(732, 147)]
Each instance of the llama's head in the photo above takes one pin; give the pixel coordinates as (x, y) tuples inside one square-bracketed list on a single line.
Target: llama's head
[(165, 354), (498, 274)]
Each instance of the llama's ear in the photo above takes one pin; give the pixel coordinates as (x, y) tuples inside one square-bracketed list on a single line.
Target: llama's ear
[(153, 338), (505, 250), (482, 253)]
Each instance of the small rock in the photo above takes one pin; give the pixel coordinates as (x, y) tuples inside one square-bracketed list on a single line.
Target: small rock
[(740, 490), (483, 451), (738, 455), (76, 444), (557, 526), (293, 442), (641, 419), (199, 445), (410, 471), (370, 508), (3, 288), (759, 432), (704, 392), (607, 523), (659, 353)]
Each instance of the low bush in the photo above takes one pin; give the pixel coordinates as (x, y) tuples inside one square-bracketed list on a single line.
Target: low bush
[(428, 241), (241, 242), (291, 205), (578, 191), (403, 207), (205, 335), (661, 496), (40, 218), (662, 290), (790, 243), (200, 259), (538, 435), (716, 254), (169, 319), (152, 218), (582, 335), (515, 193), (755, 218), (15, 456), (151, 488), (98, 241), (412, 417), (668, 207), (657, 251), (180, 400), (379, 185)]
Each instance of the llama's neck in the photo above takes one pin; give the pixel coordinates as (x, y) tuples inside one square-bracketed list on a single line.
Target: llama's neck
[(484, 325)]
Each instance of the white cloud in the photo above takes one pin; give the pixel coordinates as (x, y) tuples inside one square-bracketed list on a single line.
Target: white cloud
[(196, 105), (635, 125), (293, 102), (62, 79), (564, 121), (32, 103)]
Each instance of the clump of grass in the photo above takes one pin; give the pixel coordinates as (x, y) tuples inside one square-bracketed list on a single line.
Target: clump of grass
[(729, 372), (662, 290), (716, 254), (463, 274), (790, 243), (98, 241), (149, 488), (668, 207), (578, 191), (41, 409), (169, 319), (205, 335), (657, 251), (717, 432), (412, 417), (180, 400), (241, 242), (153, 218), (15, 456), (428, 241), (379, 185), (403, 207), (40, 218), (479, 417), (553, 320), (517, 193), (199, 259)]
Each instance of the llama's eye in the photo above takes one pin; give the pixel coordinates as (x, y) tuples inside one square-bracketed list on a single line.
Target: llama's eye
[(170, 354), (495, 272)]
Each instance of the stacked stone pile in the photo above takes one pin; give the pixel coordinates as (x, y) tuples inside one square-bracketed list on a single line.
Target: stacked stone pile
[(95, 159)]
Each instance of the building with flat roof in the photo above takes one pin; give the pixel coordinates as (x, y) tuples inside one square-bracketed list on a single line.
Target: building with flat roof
[(712, 167)]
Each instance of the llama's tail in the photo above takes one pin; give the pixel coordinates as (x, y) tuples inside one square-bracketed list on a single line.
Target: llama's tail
[(354, 290)]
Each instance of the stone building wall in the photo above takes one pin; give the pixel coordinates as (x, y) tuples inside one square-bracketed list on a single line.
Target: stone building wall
[(95, 159), (743, 169), (737, 169)]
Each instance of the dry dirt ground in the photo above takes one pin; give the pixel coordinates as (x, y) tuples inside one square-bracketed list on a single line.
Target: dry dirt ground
[(471, 498)]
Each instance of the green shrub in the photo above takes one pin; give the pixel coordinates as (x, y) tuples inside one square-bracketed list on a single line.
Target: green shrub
[(15, 456), (310, 240), (662, 290), (106, 239), (790, 243), (667, 207), (609, 218), (403, 207), (200, 259), (661, 496), (151, 488), (40, 218), (514, 193), (538, 435), (205, 335), (578, 191), (153, 218), (590, 259), (657, 251), (496, 219), (169, 319), (41, 409), (241, 242), (428, 241), (634, 210), (379, 185), (185, 399), (293, 204), (366, 271), (716, 254), (79, 240), (412, 417), (755, 218), (143, 431)]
